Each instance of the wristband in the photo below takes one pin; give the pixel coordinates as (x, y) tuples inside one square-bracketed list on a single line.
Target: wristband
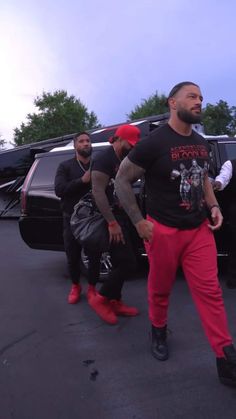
[(112, 223), (214, 206)]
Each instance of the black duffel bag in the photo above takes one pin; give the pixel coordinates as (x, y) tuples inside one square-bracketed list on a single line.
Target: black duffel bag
[(88, 225)]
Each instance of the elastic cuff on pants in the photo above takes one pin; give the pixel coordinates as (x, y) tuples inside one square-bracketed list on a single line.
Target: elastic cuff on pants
[(219, 352), (158, 325)]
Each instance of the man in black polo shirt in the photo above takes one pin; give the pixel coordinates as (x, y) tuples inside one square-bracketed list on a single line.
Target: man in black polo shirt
[(72, 181), (177, 230)]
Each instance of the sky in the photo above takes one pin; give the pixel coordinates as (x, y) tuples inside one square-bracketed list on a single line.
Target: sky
[(112, 54)]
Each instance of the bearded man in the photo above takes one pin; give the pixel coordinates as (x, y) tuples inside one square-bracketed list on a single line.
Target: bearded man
[(177, 235), (72, 182)]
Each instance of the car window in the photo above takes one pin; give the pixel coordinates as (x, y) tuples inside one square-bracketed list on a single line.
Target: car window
[(15, 162), (230, 151), (46, 169)]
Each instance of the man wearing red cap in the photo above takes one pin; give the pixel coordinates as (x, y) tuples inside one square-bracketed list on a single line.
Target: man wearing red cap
[(107, 302)]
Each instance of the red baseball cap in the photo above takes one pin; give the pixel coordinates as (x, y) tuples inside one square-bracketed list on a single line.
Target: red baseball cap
[(129, 133)]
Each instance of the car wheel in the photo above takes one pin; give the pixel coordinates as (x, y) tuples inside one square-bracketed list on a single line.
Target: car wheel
[(105, 265)]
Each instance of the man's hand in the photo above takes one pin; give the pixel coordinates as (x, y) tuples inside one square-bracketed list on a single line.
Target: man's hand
[(217, 185), (217, 219), (115, 233), (86, 177), (145, 229)]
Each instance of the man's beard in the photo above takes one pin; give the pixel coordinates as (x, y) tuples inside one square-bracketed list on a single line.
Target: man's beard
[(188, 117), (85, 153)]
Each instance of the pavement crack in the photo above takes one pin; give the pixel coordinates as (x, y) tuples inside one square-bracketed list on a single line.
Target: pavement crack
[(16, 341), (88, 362)]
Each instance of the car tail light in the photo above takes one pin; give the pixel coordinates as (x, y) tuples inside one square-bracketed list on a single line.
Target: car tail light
[(24, 188)]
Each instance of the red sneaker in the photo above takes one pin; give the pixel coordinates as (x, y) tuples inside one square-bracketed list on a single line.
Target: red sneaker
[(102, 306), (74, 294), (91, 292), (120, 309)]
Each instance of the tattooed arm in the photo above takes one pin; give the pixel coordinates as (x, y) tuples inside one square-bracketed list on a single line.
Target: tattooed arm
[(127, 174), (100, 181)]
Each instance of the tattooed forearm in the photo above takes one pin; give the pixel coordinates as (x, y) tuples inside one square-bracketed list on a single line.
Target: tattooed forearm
[(128, 173), (99, 183)]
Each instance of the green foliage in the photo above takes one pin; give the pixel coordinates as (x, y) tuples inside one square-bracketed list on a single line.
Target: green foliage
[(57, 114), (154, 105), (219, 119)]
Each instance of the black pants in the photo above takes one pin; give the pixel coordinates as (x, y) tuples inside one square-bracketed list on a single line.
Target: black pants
[(73, 251), (123, 259)]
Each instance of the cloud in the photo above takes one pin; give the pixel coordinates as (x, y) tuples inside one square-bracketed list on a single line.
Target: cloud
[(27, 66)]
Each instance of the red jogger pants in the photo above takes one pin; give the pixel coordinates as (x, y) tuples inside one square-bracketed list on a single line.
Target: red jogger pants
[(195, 251)]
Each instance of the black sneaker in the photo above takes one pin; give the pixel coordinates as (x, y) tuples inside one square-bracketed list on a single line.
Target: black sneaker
[(226, 367), (159, 348)]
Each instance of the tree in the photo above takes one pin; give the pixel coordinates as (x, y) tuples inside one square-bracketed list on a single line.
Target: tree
[(154, 105), (58, 114), (2, 143), (219, 119)]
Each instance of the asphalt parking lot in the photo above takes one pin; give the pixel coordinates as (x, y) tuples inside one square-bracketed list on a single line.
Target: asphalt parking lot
[(60, 361)]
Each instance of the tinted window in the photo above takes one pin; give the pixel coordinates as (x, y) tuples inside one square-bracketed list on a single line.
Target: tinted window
[(15, 162), (230, 151), (46, 169)]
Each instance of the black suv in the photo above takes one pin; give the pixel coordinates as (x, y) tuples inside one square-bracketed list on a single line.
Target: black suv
[(16, 162), (41, 219), (41, 223)]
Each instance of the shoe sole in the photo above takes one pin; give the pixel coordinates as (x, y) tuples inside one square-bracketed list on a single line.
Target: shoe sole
[(111, 322), (160, 358), (74, 302), (125, 314)]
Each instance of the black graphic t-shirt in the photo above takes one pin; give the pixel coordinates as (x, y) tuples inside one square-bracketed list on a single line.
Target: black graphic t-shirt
[(107, 162), (175, 166)]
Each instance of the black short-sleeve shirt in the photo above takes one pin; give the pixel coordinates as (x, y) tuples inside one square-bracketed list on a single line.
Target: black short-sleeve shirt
[(107, 162), (175, 166)]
